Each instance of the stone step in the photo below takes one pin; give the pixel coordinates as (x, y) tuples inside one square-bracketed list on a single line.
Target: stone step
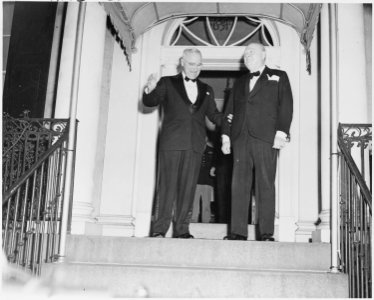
[(125, 280), (217, 231), (199, 253)]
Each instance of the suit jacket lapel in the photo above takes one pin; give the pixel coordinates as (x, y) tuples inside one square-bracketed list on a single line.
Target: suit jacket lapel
[(260, 82), (201, 91), (246, 87), (179, 86)]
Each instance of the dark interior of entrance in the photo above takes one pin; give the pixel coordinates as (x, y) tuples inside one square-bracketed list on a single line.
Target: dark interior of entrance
[(218, 195)]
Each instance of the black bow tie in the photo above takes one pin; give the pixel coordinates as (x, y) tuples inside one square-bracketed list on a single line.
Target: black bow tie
[(188, 79), (251, 75)]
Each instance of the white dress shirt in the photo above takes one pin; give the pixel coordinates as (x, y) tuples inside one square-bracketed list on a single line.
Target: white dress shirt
[(191, 89), (254, 79)]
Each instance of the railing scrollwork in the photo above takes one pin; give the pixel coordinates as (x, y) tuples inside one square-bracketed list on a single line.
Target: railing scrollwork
[(34, 172), (355, 208), (24, 141)]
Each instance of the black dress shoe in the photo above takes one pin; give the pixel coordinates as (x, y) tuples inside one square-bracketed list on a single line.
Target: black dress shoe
[(267, 238), (185, 236), (158, 235), (234, 236)]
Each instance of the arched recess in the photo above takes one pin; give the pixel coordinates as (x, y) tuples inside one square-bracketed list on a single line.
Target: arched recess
[(288, 55), (221, 58)]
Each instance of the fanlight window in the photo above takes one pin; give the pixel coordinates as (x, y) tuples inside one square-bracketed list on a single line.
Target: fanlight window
[(221, 31)]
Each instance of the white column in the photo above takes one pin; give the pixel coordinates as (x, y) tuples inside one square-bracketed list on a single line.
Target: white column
[(354, 106), (116, 216), (308, 159), (322, 234), (353, 102), (287, 181), (72, 130), (147, 132), (53, 66), (334, 71), (104, 117), (88, 114), (66, 62)]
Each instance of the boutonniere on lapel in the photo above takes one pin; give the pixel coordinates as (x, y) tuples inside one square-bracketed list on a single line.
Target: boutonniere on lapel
[(273, 77), (207, 93)]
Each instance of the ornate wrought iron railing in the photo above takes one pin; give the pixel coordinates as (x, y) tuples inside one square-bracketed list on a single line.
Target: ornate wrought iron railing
[(24, 141), (34, 162), (355, 208)]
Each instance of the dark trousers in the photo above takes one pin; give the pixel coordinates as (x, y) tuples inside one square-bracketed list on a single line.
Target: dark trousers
[(253, 157), (178, 174), (223, 188)]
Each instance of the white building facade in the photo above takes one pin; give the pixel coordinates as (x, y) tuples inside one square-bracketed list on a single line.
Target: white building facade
[(116, 149)]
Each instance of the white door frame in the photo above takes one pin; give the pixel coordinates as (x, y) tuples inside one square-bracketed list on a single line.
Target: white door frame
[(294, 160)]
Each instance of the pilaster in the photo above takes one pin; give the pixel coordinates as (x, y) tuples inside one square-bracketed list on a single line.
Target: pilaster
[(88, 110), (288, 172), (308, 147), (63, 93), (322, 233), (147, 132)]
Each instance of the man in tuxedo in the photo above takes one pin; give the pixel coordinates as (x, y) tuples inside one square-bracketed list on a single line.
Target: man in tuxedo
[(261, 104), (185, 102)]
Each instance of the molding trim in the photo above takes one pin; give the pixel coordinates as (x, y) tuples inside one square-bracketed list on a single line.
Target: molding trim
[(323, 232), (118, 220), (116, 225), (82, 211), (304, 231)]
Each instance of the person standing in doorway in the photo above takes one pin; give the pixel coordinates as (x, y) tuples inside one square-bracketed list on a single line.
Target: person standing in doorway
[(262, 106), (185, 102), (204, 194)]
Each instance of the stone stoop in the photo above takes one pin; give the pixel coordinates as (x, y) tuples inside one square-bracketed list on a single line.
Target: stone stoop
[(166, 267), (216, 231)]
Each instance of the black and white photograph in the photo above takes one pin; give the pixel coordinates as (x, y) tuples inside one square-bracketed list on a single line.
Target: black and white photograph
[(186, 149)]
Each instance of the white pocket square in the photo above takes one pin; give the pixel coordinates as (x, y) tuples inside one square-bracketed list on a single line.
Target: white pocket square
[(273, 77)]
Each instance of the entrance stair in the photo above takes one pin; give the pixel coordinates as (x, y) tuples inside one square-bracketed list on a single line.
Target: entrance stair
[(167, 267)]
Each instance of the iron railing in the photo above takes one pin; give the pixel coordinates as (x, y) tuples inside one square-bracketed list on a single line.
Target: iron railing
[(24, 141), (34, 163), (355, 207)]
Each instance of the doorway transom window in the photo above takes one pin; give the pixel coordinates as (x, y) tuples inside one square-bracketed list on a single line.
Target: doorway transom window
[(221, 31)]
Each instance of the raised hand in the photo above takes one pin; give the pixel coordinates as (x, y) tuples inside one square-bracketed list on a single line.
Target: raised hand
[(152, 82)]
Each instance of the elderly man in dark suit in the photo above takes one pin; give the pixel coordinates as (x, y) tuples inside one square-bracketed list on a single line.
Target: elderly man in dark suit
[(261, 104), (185, 101)]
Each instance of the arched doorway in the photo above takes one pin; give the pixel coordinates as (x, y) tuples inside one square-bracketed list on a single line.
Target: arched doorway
[(286, 54), (222, 41)]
